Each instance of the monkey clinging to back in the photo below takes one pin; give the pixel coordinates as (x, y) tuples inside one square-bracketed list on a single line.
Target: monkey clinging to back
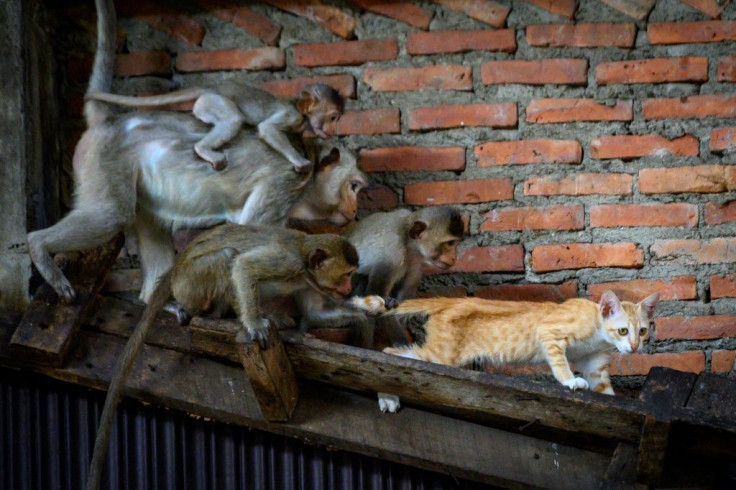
[(231, 104)]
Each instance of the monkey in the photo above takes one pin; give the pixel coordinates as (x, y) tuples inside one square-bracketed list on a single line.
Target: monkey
[(231, 104), (138, 169), (393, 247), (242, 266)]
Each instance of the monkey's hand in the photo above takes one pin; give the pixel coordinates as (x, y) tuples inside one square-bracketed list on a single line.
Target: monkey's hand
[(301, 165), (254, 332), (371, 305)]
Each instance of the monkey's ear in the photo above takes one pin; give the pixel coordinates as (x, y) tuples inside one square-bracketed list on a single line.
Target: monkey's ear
[(417, 229), (317, 259), (330, 159), (305, 102)]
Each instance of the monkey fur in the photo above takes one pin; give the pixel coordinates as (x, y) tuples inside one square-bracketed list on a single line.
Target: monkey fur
[(138, 169), (231, 104)]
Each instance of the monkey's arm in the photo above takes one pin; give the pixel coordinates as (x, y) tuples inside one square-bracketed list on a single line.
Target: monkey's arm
[(410, 283), (317, 312), (273, 132), (184, 95)]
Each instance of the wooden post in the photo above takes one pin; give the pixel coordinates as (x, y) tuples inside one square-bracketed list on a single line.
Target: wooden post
[(271, 377), (47, 329)]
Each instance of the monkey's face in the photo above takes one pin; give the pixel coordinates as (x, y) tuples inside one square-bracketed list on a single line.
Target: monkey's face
[(338, 175), (323, 119), (438, 248), (331, 277)]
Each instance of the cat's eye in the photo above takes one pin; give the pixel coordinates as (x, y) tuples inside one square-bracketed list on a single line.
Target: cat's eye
[(623, 331), (642, 331)]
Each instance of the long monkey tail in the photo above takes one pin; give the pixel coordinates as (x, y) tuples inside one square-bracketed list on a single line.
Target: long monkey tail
[(104, 65), (158, 300), (184, 95)]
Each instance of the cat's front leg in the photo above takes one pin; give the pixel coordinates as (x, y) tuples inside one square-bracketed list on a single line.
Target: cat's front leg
[(554, 351), (595, 371)]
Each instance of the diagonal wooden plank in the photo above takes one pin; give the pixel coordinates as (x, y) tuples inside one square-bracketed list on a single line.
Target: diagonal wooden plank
[(47, 329), (638, 9), (331, 18)]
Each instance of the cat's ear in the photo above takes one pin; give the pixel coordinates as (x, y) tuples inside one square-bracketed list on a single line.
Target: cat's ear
[(609, 304), (648, 304), (417, 229)]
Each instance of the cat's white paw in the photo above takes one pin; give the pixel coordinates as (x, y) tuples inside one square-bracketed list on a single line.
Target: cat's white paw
[(388, 403), (576, 384)]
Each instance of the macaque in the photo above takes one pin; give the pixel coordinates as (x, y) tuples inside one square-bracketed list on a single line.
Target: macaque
[(231, 104), (138, 169), (240, 267)]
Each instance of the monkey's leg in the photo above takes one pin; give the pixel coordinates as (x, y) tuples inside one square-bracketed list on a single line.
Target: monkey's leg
[(227, 120), (245, 281), (156, 253), (81, 229), (273, 132)]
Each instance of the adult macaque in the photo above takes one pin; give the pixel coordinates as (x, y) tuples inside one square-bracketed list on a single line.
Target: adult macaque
[(242, 267), (138, 169), (231, 104)]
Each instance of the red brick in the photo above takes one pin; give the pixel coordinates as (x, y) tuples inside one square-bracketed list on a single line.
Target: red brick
[(74, 105), (411, 158), (379, 197), (730, 177), (614, 215), (634, 146), (376, 121), (120, 280), (232, 59), (530, 292), (500, 115), (659, 70), (345, 84), (723, 286), (696, 106), (701, 178), (437, 42), (549, 218), (546, 258), (249, 20), (126, 65), (327, 16), (695, 328), (458, 192), (408, 13), (676, 288), (491, 13), (334, 335), (566, 8), (708, 31), (502, 258), (528, 151), (712, 8), (722, 361), (727, 69), (183, 29), (432, 77), (638, 9), (720, 213), (640, 364), (444, 291), (345, 53), (536, 72), (584, 35), (577, 110), (684, 251), (579, 185), (722, 139)]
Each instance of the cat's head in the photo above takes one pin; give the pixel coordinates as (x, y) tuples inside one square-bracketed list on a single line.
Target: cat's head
[(625, 324)]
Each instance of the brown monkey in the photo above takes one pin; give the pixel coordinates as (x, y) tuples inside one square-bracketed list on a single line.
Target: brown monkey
[(231, 104), (245, 266), (138, 169)]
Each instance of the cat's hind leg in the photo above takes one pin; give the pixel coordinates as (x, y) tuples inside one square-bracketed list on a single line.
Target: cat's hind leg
[(554, 351), (595, 372), (387, 402)]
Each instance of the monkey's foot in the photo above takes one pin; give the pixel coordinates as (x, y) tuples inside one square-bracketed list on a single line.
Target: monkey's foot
[(248, 335), (390, 302), (301, 166), (182, 315), (64, 289), (216, 159), (388, 403)]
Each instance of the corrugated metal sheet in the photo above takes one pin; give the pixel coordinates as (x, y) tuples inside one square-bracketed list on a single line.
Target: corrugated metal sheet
[(47, 432)]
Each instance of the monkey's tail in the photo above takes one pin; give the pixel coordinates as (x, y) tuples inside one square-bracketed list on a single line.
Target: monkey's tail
[(425, 306), (185, 95), (158, 300), (97, 112)]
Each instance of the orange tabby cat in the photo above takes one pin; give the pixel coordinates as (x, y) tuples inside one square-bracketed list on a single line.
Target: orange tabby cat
[(460, 330)]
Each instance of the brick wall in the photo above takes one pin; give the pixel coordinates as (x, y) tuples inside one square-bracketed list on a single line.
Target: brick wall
[(589, 147)]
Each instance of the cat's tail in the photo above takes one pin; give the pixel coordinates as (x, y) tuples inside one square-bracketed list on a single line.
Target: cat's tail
[(425, 306)]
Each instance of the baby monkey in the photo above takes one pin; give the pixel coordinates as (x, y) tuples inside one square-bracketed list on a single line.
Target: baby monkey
[(232, 104)]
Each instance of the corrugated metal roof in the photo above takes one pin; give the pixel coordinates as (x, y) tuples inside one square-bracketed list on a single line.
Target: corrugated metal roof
[(47, 431)]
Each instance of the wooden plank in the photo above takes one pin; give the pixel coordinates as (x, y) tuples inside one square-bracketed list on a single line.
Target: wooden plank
[(334, 418), (271, 376), (664, 391), (714, 394), (47, 329), (621, 472)]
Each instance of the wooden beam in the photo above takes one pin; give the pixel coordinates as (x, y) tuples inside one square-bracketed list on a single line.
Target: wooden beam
[(665, 390), (621, 472), (47, 329), (714, 394), (332, 417)]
